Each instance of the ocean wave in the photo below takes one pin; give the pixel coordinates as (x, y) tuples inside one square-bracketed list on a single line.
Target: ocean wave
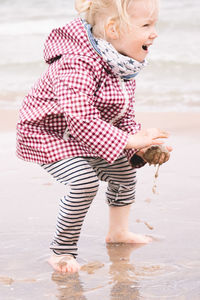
[(16, 62), (161, 63), (161, 60), (181, 103), (39, 27), (170, 82), (165, 62), (19, 9), (149, 101), (44, 25)]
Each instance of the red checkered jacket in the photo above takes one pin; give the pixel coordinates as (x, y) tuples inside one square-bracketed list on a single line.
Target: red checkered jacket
[(78, 107)]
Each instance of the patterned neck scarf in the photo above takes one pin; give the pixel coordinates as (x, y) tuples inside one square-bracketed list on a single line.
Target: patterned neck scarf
[(122, 66)]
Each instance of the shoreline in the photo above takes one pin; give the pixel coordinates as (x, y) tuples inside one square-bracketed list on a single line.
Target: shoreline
[(29, 204), (180, 122)]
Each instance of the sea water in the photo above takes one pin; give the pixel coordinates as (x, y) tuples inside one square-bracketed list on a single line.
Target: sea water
[(170, 82)]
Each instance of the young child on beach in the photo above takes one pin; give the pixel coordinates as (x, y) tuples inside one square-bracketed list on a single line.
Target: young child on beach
[(78, 123)]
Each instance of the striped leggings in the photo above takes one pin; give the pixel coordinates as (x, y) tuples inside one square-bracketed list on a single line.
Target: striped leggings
[(82, 175)]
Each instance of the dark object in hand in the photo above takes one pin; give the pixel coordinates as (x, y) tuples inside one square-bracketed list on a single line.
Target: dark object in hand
[(153, 154)]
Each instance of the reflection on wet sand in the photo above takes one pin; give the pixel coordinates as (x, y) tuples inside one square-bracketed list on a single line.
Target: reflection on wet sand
[(69, 286), (90, 268), (121, 276), (123, 280), (8, 280)]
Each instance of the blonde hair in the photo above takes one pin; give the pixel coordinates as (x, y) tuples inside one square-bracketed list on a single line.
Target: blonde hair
[(99, 12)]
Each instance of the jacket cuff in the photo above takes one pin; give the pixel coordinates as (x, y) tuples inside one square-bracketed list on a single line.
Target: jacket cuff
[(137, 162)]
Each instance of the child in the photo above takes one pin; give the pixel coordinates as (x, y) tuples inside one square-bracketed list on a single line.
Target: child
[(78, 120)]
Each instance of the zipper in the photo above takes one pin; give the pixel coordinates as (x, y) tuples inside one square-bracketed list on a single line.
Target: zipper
[(119, 116), (126, 104), (66, 134)]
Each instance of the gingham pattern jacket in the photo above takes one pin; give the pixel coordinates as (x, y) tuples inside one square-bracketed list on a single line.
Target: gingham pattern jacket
[(78, 93)]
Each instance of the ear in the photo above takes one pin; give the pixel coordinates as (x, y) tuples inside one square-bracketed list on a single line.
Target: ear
[(111, 30)]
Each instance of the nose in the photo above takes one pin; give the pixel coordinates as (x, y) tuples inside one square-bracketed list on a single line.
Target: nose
[(154, 34)]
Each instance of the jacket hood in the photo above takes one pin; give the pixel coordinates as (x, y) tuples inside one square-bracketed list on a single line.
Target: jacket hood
[(76, 39), (70, 39)]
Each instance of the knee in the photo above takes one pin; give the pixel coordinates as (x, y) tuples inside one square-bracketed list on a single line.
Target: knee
[(87, 189), (122, 188), (121, 195)]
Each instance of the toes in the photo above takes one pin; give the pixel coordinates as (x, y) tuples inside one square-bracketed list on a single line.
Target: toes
[(144, 240), (69, 269), (64, 269), (73, 267), (57, 268), (64, 264), (149, 239)]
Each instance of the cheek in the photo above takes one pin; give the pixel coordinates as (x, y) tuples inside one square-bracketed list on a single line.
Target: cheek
[(137, 40), (137, 44), (133, 47)]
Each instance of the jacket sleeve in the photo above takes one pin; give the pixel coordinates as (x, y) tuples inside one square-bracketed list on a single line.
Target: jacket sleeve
[(75, 85), (129, 125)]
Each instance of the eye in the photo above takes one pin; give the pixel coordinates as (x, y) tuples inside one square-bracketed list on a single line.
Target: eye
[(146, 25)]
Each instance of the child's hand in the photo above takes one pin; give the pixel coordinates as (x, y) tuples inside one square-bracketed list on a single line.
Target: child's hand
[(145, 138)]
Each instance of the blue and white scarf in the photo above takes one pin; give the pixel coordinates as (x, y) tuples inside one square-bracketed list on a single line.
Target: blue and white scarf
[(121, 65)]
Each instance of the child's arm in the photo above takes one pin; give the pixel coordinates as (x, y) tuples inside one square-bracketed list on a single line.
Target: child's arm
[(74, 86), (128, 124)]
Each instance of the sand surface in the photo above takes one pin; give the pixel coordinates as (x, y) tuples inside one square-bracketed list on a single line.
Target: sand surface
[(168, 268)]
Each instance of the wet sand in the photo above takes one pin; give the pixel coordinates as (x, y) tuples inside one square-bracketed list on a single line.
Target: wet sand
[(168, 268)]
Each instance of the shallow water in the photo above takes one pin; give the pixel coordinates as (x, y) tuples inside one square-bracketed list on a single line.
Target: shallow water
[(119, 272), (168, 268)]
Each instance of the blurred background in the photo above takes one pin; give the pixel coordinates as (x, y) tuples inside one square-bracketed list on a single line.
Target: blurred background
[(168, 268), (169, 83)]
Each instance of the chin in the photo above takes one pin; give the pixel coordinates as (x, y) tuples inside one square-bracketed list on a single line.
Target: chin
[(141, 59), (138, 59)]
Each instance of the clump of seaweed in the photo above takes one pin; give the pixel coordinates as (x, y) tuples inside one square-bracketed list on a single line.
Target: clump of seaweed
[(156, 155)]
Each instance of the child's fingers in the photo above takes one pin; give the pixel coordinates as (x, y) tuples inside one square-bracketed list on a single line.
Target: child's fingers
[(157, 133), (162, 159), (167, 156), (162, 134), (157, 142), (156, 159), (169, 148)]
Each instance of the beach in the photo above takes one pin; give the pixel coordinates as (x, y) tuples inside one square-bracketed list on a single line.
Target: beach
[(167, 268), (167, 96)]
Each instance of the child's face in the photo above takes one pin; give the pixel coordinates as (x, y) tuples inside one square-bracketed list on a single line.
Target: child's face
[(134, 41)]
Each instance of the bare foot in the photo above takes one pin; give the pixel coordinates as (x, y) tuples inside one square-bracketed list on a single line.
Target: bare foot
[(128, 238), (64, 263)]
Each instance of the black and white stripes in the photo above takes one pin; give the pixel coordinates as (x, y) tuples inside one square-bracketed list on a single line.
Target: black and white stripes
[(82, 175)]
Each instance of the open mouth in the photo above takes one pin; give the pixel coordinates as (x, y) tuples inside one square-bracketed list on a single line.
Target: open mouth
[(145, 48)]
